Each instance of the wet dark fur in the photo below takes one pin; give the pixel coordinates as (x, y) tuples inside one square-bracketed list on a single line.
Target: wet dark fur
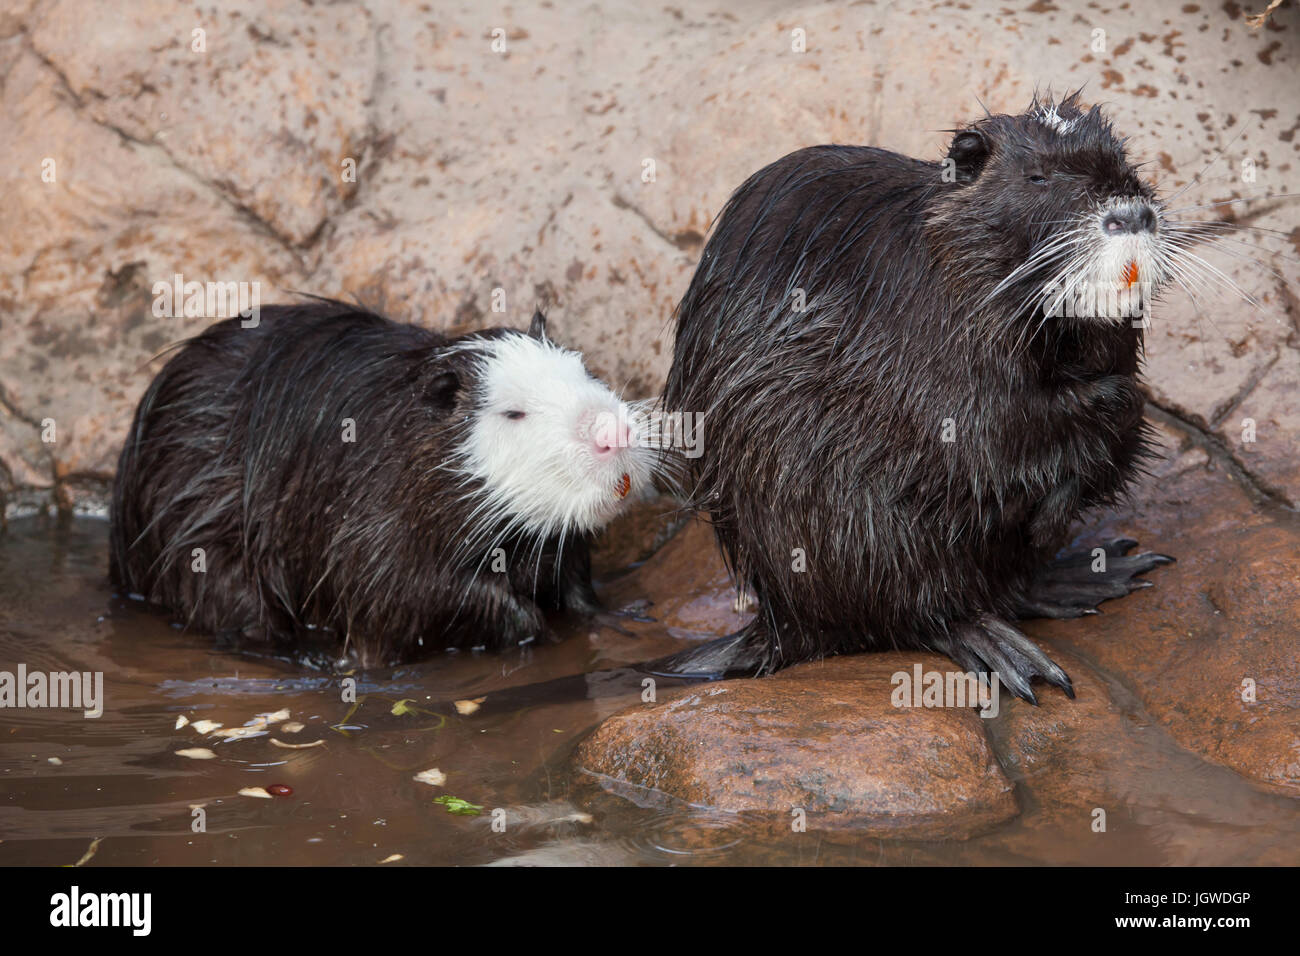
[(236, 448), (822, 428)]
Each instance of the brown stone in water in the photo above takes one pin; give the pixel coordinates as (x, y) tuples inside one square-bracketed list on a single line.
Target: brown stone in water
[(823, 737)]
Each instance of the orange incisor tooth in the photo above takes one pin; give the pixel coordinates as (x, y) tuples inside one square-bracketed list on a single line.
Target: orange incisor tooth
[(624, 486), (1131, 274)]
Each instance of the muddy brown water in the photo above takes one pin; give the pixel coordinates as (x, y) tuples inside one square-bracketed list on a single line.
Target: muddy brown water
[(119, 780)]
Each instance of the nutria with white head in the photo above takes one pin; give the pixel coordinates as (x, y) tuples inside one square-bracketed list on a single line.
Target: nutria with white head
[(914, 378), (334, 483)]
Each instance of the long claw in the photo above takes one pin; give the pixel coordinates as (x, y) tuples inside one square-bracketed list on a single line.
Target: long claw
[(990, 645)]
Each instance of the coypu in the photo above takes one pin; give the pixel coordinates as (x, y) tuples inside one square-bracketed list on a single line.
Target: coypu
[(478, 468), (892, 396)]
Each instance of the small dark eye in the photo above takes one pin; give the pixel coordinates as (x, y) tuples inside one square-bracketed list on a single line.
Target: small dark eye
[(513, 415), (1038, 179)]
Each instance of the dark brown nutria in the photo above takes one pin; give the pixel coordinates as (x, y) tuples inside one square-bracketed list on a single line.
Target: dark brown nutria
[(910, 393), (331, 483)]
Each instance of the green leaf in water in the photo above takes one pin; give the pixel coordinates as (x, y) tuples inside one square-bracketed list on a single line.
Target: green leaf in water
[(459, 806), (400, 707)]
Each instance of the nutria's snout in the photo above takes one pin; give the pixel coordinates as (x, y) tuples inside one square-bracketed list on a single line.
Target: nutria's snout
[(571, 462), (610, 438), (608, 433), (1131, 218)]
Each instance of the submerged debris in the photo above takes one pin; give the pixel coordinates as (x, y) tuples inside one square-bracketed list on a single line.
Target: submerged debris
[(532, 816), (196, 753), (90, 852), (433, 776)]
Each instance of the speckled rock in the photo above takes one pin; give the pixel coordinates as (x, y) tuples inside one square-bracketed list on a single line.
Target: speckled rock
[(572, 156)]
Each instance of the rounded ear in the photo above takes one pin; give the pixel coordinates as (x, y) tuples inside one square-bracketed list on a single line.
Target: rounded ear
[(440, 390), (537, 328), (969, 152)]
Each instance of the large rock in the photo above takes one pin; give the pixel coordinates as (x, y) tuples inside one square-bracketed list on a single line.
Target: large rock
[(496, 179), (824, 738), (1103, 783)]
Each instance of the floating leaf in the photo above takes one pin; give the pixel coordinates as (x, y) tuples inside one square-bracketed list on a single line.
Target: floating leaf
[(281, 743), (467, 707), (458, 806), (276, 717), (196, 753), (393, 858), (206, 726), (293, 727), (91, 851), (400, 707), (433, 777), (255, 792), (181, 721)]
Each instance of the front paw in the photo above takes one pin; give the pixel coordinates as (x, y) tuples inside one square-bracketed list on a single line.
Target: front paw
[(1074, 585)]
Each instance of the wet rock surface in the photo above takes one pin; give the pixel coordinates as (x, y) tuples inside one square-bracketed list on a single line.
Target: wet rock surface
[(1213, 650)]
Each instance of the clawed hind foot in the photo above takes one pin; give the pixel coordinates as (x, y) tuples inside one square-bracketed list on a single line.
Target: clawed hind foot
[(1069, 587), (989, 645)]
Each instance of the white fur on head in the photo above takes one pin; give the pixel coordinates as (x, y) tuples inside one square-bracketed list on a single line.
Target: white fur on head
[(533, 438), (1049, 117)]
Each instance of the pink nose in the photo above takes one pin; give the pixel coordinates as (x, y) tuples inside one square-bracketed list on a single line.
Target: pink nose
[(609, 435)]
